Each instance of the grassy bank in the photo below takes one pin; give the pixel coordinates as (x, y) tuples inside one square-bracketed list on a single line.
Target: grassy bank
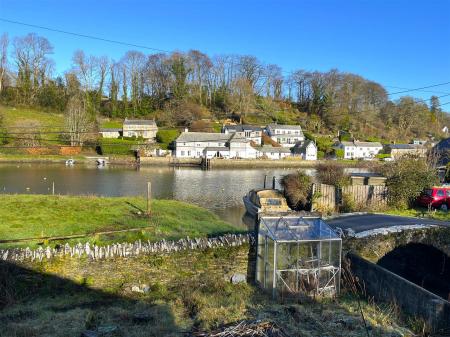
[(187, 292), (39, 216), (420, 212)]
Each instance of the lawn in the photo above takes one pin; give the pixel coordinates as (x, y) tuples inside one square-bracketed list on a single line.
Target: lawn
[(421, 212), (38, 216), (46, 120)]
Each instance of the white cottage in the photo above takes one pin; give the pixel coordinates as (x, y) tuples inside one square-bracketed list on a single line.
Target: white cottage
[(360, 150), (210, 145), (285, 135), (251, 132), (110, 132), (271, 152), (307, 150)]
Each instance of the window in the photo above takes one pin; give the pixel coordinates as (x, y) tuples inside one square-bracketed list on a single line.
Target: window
[(248, 134), (440, 193), (189, 153), (182, 153)]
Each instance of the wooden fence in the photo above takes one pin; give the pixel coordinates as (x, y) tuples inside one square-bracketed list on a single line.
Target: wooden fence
[(329, 197)]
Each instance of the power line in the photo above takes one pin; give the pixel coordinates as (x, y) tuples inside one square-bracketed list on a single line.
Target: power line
[(85, 36), (168, 51), (416, 89)]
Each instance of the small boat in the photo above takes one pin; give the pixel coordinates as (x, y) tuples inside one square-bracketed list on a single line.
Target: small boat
[(266, 201), (100, 162), (70, 162)]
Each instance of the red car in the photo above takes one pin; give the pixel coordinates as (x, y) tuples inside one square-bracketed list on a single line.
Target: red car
[(436, 197)]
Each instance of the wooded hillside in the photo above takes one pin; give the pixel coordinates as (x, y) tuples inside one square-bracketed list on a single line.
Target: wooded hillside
[(181, 87)]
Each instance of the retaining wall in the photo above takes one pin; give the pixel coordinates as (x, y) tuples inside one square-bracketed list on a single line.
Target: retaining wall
[(123, 249), (386, 286)]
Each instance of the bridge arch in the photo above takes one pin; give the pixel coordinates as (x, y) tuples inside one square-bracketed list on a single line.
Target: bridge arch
[(422, 264)]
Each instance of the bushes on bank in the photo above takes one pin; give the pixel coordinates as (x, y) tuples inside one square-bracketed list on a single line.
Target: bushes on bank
[(407, 177), (166, 137), (332, 173), (297, 189)]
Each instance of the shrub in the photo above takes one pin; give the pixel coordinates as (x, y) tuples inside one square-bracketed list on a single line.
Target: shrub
[(320, 154), (407, 177), (297, 189), (339, 153), (165, 137), (331, 173), (383, 155)]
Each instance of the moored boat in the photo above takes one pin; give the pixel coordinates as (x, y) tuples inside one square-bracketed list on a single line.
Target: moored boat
[(266, 201)]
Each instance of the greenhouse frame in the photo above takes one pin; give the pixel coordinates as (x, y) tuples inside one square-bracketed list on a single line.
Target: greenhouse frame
[(298, 257)]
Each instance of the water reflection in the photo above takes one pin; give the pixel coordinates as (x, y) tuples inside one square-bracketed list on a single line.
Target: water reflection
[(220, 190)]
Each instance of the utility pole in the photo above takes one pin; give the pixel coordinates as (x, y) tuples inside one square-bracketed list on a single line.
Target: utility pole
[(53, 188)]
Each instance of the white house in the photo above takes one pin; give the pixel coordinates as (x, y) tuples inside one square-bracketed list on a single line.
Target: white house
[(360, 150), (285, 135), (210, 145), (307, 150), (251, 132), (110, 132), (271, 152), (146, 129)]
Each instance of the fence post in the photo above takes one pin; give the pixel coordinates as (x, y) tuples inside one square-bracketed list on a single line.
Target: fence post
[(149, 197), (53, 188)]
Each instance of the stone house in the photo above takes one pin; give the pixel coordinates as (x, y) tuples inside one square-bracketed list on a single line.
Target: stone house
[(146, 129), (285, 135), (398, 150)]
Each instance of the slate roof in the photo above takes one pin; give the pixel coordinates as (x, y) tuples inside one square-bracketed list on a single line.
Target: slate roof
[(272, 149), (284, 127), (110, 130), (362, 144), (242, 128), (405, 146), (139, 122), (209, 137), (302, 147)]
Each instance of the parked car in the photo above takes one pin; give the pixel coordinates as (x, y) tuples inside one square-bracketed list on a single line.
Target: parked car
[(435, 197)]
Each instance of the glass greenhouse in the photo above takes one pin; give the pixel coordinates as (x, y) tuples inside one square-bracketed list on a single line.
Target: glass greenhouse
[(298, 257)]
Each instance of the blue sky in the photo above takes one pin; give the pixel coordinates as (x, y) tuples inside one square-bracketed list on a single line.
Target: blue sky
[(395, 42)]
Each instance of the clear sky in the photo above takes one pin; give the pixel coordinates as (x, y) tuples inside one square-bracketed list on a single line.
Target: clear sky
[(404, 43)]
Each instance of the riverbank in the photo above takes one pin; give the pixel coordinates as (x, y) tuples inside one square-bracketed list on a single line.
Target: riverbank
[(167, 295), (33, 219), (188, 162)]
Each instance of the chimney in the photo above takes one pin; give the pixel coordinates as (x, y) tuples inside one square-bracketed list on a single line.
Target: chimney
[(186, 130)]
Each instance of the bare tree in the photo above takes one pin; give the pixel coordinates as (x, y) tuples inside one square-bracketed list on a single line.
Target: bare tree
[(77, 120), (33, 65), (4, 41)]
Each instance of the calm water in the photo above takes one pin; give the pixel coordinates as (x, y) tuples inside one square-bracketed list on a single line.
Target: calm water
[(219, 190)]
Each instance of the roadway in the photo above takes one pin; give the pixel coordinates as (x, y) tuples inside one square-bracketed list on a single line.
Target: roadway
[(366, 222)]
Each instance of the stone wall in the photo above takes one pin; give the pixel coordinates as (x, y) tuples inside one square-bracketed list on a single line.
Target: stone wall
[(384, 285), (378, 243), (123, 249)]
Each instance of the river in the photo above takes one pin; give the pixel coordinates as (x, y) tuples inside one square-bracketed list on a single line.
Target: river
[(219, 190)]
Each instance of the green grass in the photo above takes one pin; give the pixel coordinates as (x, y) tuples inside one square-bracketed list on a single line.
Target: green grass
[(112, 146), (421, 212), (114, 124), (13, 116), (30, 216), (166, 136), (189, 291)]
